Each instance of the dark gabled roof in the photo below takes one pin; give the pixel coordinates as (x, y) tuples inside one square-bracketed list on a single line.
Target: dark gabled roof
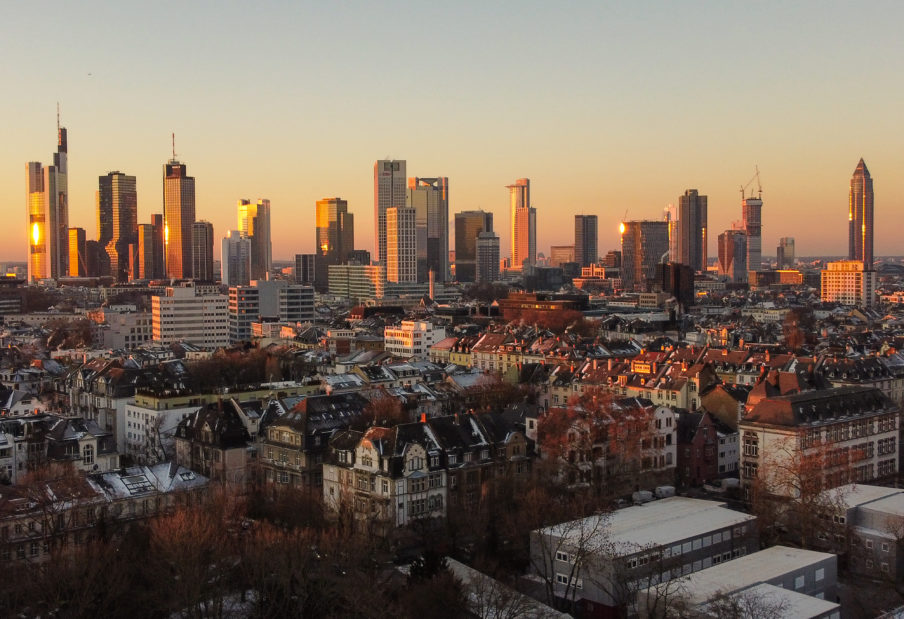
[(820, 407), (227, 429)]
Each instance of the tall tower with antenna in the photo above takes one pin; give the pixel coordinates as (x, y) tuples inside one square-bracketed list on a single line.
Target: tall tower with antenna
[(752, 222)]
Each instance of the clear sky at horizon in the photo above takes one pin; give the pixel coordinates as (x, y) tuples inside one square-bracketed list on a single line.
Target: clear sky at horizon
[(607, 107)]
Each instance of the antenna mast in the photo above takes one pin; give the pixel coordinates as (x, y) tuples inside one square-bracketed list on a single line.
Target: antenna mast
[(174, 146)]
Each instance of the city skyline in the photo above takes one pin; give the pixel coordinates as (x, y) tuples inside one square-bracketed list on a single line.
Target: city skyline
[(604, 153)]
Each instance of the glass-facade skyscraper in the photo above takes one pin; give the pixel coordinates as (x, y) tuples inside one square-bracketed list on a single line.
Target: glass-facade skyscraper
[(389, 191), (429, 197), (254, 224), (47, 207), (585, 243), (644, 245), (860, 217), (524, 225), (179, 215), (117, 220)]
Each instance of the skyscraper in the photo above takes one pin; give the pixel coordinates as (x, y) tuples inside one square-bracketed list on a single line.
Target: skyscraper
[(147, 252), (254, 224), (644, 245), (468, 226), (159, 271), (692, 230), (305, 269), (235, 260), (784, 253), (117, 219), (334, 237), (585, 244), (389, 191), (429, 197), (524, 225), (179, 215), (860, 217), (202, 251), (47, 205), (487, 257), (401, 254), (751, 214), (78, 264), (733, 255)]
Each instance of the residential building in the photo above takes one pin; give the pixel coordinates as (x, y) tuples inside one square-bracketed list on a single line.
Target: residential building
[(733, 255), (389, 191), (849, 433), (644, 245), (215, 442), (254, 224), (524, 225), (412, 338), (487, 257), (586, 228), (82, 442), (178, 217), (202, 251), (429, 197), (294, 444), (117, 203), (860, 217), (401, 245), (235, 260), (848, 282), (692, 230), (468, 226), (47, 205), (184, 315), (78, 266)]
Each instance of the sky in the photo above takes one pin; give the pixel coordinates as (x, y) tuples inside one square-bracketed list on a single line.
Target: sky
[(612, 109)]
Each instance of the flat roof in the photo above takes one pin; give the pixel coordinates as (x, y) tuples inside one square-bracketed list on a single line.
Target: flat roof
[(749, 570), (790, 604), (858, 495), (657, 523)]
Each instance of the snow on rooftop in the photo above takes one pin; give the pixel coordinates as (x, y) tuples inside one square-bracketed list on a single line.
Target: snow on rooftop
[(749, 570), (657, 523), (859, 495), (791, 604)]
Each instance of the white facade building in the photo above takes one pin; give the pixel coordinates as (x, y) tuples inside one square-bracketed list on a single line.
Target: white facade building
[(847, 282), (401, 245), (183, 315), (412, 338)]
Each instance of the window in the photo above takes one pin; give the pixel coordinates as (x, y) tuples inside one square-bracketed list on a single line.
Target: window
[(884, 546), (869, 544), (562, 556), (820, 574), (799, 582), (88, 455), (384, 486)]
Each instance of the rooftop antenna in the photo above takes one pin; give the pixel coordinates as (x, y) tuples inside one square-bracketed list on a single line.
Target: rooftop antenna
[(58, 116), (174, 146)]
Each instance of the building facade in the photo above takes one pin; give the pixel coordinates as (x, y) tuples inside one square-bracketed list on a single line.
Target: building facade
[(254, 224), (389, 191), (644, 243), (524, 225), (429, 197), (117, 203), (202, 251), (179, 215), (413, 338), (401, 245), (692, 229), (47, 204), (468, 226), (235, 260), (334, 237), (860, 217), (487, 257), (752, 221), (733, 255), (586, 229), (183, 315), (848, 282)]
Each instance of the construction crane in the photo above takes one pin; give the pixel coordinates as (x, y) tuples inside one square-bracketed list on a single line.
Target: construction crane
[(759, 188)]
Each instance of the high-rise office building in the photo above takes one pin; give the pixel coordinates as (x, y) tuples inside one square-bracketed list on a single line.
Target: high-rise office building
[(78, 264), (733, 255), (159, 224), (47, 206), (401, 246), (235, 260), (585, 244), (487, 257), (860, 217), (305, 269), (389, 191), (524, 225), (692, 230), (429, 197), (117, 219), (671, 216), (147, 253), (784, 253), (334, 237), (254, 224), (202, 251), (752, 223), (183, 314), (179, 215), (468, 226), (645, 244), (561, 254)]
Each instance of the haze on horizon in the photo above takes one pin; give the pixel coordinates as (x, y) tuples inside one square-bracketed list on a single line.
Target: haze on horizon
[(609, 108)]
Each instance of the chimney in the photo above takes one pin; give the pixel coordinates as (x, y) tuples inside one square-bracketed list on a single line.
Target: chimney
[(424, 415), (609, 363)]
